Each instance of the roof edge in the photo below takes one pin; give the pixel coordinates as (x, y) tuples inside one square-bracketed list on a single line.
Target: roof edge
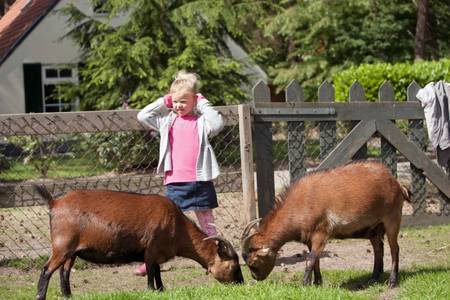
[(28, 31)]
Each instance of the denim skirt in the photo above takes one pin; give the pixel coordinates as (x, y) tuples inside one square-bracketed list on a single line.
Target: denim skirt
[(191, 196)]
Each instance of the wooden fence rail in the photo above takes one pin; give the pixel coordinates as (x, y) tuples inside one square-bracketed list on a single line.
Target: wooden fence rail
[(365, 118)]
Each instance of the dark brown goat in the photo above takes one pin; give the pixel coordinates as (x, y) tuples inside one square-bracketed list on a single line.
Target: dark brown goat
[(359, 200), (117, 227)]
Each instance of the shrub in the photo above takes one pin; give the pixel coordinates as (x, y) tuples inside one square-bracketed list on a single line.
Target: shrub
[(400, 75)]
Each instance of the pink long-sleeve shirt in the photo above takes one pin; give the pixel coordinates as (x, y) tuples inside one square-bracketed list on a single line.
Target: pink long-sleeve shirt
[(184, 143)]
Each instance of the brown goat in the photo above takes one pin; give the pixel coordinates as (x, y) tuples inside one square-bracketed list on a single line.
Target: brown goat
[(359, 200), (116, 227)]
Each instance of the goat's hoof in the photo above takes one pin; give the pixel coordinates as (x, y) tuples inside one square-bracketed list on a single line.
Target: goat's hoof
[(393, 282), (160, 288), (318, 282)]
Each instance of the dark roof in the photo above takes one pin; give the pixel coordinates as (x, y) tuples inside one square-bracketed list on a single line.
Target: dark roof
[(20, 20)]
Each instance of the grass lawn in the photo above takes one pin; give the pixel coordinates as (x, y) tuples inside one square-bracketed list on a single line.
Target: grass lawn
[(266, 290), (426, 275), (63, 168), (418, 283)]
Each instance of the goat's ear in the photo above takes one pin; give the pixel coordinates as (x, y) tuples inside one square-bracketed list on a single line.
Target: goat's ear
[(224, 251)]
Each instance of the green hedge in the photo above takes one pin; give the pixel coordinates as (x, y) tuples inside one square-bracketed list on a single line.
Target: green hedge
[(372, 76)]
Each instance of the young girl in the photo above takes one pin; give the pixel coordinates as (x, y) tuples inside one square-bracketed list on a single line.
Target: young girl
[(185, 119)]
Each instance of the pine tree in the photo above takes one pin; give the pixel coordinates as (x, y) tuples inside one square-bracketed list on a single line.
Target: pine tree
[(138, 58), (316, 38)]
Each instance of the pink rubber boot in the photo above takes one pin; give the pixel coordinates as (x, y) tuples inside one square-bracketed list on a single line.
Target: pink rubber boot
[(140, 271), (206, 220)]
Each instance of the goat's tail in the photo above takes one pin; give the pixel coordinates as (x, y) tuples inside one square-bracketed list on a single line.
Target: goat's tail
[(42, 190), (406, 193)]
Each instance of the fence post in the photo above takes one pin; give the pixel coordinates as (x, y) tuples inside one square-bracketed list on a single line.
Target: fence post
[(327, 137), (417, 136), (388, 152), (445, 201), (246, 145), (296, 135), (264, 153), (356, 93)]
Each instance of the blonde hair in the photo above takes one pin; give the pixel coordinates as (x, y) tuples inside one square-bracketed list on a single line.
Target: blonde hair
[(184, 83)]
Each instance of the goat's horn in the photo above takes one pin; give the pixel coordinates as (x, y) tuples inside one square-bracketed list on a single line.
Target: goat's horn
[(219, 238), (245, 242), (229, 247), (245, 238), (248, 227)]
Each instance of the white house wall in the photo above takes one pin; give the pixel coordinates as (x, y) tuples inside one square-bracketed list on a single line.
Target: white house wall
[(41, 45)]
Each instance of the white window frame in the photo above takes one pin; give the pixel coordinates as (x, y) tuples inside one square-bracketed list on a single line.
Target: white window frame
[(75, 104)]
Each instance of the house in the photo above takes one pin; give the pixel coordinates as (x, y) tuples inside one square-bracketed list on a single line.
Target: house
[(34, 58)]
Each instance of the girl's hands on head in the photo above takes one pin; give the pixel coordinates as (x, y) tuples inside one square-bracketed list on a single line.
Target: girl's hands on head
[(168, 101)]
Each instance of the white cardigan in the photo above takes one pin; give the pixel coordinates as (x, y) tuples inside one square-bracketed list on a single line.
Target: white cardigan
[(159, 117)]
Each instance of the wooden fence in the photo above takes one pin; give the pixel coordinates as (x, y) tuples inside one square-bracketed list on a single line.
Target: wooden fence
[(365, 120), (255, 121)]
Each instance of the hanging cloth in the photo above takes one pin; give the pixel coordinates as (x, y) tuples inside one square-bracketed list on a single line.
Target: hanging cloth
[(434, 98)]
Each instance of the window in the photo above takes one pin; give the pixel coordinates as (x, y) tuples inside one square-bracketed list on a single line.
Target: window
[(52, 78)]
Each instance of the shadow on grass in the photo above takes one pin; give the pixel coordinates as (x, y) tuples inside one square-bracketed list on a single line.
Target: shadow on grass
[(296, 258), (364, 281)]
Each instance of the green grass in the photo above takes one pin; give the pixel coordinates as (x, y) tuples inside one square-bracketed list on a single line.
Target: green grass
[(432, 283), (429, 279), (420, 283), (24, 264), (63, 168), (257, 291), (416, 283)]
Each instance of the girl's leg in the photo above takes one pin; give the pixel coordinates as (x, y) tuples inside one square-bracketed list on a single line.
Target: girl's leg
[(206, 220)]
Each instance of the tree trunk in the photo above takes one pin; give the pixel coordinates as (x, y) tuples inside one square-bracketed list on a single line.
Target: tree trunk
[(421, 29)]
